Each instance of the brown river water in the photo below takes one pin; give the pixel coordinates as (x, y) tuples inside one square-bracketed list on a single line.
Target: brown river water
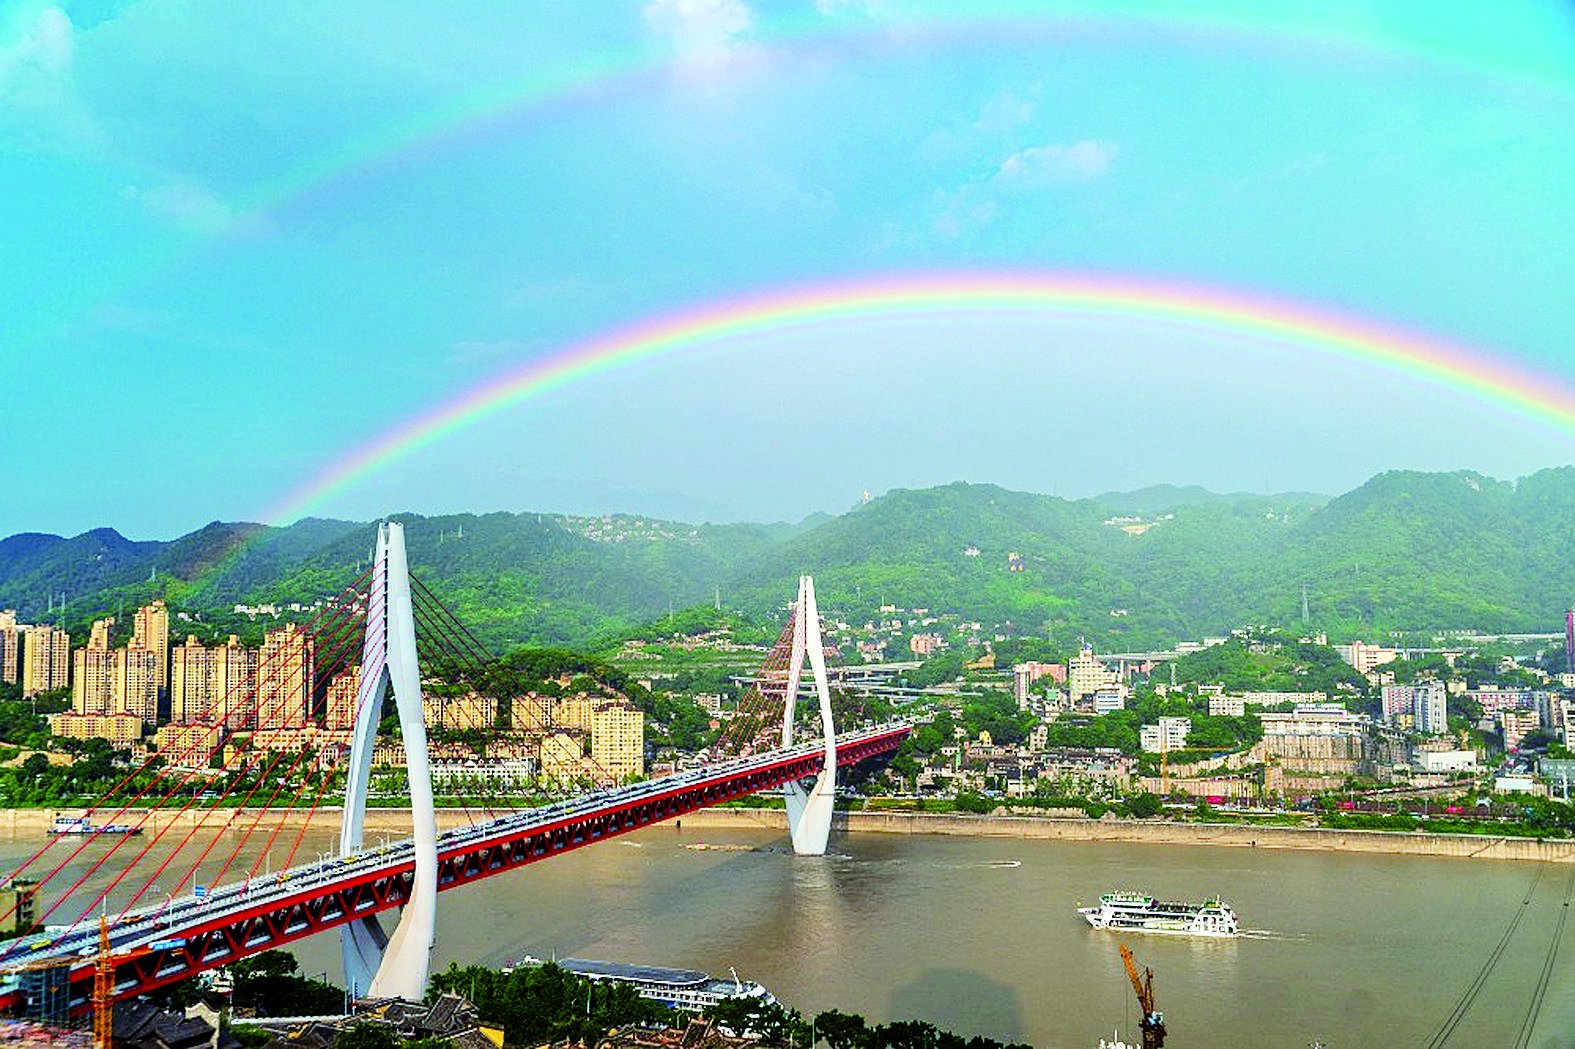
[(980, 935)]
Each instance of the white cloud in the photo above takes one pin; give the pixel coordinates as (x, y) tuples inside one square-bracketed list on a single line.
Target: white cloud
[(1039, 166), (703, 33), (1035, 169), (1007, 111), (196, 209), (37, 47)]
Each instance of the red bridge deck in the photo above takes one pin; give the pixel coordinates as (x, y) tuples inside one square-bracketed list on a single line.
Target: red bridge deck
[(237, 921)]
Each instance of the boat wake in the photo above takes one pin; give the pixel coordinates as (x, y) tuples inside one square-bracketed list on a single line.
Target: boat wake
[(1270, 934)]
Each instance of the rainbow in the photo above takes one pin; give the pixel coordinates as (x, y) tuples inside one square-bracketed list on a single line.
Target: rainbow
[(1218, 25), (615, 74), (1477, 374)]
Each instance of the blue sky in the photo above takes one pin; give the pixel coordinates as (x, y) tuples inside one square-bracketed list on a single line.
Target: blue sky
[(185, 340)]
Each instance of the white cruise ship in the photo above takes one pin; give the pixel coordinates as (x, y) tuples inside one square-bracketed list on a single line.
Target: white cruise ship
[(1136, 912)]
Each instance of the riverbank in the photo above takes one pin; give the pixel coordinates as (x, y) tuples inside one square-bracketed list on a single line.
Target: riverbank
[(22, 823), (1415, 843)]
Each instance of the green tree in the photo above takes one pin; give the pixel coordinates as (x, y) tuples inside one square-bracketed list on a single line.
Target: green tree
[(367, 1036), (1145, 805)]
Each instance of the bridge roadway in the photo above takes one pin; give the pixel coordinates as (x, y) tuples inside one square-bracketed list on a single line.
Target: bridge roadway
[(181, 938)]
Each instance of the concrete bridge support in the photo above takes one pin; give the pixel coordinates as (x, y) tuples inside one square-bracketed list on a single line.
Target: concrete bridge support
[(809, 811), (377, 964)]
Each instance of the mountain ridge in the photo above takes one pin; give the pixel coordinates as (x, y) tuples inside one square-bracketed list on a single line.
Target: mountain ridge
[(1403, 551)]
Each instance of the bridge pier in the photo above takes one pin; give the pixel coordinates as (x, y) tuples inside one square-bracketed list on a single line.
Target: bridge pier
[(376, 964), (809, 811)]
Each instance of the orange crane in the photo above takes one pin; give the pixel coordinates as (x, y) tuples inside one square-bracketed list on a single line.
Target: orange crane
[(1152, 1025), (103, 990), (103, 997)]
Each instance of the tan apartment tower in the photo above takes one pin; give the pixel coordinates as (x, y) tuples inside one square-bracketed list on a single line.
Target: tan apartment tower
[(47, 660), (192, 685), (618, 740), (150, 629), (284, 678), (212, 684), (234, 682), (340, 705), (10, 647), (137, 684), (93, 672)]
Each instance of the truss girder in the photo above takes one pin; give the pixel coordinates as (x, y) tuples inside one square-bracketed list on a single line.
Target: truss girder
[(332, 904)]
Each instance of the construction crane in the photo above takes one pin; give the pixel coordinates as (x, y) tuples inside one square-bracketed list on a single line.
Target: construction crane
[(1152, 1025), (103, 997), (104, 990)]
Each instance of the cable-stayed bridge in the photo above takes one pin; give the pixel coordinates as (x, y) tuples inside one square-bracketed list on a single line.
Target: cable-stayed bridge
[(130, 938)]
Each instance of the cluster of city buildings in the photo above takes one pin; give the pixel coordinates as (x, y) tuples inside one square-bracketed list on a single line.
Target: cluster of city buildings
[(1083, 683), (194, 698)]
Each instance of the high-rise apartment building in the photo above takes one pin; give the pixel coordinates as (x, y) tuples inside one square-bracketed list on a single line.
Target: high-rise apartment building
[(150, 629), (46, 662), (137, 683), (101, 636), (192, 686), (93, 676), (618, 740), (213, 684), (1569, 640), (234, 683), (114, 681), (284, 678), (1086, 674), (10, 647), (1429, 707), (340, 704)]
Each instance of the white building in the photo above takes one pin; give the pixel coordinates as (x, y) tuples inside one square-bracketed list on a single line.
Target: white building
[(1446, 761), (1364, 657), (1227, 706), (1514, 785), (1086, 675), (1429, 708), (1169, 734), (1314, 719), (1110, 698)]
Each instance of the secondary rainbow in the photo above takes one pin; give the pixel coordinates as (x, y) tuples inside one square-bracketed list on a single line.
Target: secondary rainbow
[(1475, 373), (632, 71), (1223, 26)]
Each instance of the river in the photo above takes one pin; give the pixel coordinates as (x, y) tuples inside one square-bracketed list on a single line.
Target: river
[(980, 936)]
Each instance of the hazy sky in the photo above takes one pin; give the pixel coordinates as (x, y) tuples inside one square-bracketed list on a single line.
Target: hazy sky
[(240, 241)]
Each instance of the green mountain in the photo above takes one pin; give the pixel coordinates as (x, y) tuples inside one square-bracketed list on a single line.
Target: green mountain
[(1405, 551), (1157, 499)]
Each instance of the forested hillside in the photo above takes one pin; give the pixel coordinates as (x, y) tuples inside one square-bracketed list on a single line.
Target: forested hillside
[(1405, 551)]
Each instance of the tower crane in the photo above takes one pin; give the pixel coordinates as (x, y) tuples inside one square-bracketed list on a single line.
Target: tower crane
[(102, 999), (1152, 1025)]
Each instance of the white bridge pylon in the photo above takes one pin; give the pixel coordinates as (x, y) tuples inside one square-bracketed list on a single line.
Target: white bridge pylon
[(378, 965), (809, 812)]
